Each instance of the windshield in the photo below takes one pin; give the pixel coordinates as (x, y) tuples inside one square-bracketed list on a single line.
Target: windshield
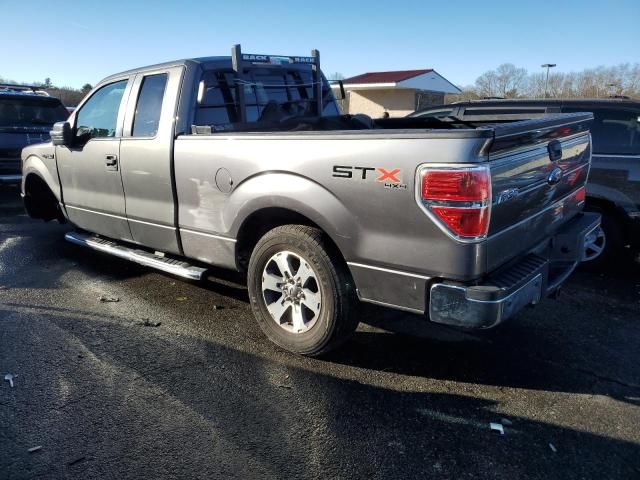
[(30, 111)]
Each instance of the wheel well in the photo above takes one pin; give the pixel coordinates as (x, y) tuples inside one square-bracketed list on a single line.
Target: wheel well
[(39, 200), (612, 210), (258, 223)]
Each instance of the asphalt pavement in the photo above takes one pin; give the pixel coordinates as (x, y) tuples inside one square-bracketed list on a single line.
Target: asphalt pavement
[(124, 372)]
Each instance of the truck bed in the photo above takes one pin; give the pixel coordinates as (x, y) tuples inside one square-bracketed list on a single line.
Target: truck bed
[(364, 215)]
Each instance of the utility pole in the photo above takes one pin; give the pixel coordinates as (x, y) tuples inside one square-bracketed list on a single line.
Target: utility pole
[(546, 83)]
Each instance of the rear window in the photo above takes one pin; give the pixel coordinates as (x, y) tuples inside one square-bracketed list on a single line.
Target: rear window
[(30, 111), (270, 96), (614, 132), (149, 107)]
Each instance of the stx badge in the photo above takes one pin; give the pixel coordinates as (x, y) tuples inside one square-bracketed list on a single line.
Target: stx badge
[(390, 178)]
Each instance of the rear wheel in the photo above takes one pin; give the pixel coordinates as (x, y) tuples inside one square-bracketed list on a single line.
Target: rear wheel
[(300, 290), (605, 245)]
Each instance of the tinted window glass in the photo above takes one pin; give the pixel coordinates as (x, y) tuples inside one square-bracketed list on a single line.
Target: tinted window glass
[(147, 116), (270, 96), (216, 100), (614, 132), (29, 111), (98, 117), (504, 111), (436, 114)]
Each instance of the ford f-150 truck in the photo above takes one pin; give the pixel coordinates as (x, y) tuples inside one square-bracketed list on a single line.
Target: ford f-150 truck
[(244, 162)]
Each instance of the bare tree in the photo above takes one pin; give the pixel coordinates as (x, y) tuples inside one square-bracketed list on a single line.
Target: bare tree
[(510, 78), (600, 82), (504, 81), (487, 84)]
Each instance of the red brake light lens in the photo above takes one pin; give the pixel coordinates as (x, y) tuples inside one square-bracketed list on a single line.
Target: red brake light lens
[(459, 199), (581, 194), (464, 222), (458, 185)]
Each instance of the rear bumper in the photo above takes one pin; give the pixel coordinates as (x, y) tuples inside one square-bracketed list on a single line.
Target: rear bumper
[(507, 291), (10, 170), (13, 179)]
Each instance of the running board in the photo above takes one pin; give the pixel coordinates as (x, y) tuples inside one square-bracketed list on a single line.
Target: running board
[(148, 259)]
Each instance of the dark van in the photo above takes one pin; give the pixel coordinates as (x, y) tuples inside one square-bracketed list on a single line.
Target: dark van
[(26, 117)]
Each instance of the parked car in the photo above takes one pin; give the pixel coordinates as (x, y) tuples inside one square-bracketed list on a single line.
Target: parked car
[(26, 116), (613, 189), (245, 163)]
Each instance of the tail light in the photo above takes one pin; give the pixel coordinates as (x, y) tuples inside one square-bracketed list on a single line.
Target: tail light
[(458, 198)]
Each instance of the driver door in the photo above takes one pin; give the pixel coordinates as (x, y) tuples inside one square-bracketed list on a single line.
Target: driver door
[(90, 168)]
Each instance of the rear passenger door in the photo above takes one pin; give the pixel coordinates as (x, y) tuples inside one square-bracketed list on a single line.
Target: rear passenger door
[(615, 168), (146, 158)]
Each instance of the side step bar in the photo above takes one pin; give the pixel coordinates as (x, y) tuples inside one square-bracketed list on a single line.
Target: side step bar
[(148, 259)]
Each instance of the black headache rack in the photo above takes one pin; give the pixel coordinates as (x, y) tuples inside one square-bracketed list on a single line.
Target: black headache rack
[(244, 61)]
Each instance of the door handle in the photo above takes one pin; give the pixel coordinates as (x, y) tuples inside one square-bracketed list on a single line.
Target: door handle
[(111, 161)]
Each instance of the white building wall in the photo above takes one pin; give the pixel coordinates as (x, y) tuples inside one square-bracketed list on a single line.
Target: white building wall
[(398, 102), (432, 81)]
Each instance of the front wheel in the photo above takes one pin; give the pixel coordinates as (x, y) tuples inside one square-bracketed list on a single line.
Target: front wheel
[(300, 290)]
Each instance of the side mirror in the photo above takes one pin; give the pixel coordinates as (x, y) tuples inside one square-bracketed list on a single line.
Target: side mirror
[(340, 85), (61, 134)]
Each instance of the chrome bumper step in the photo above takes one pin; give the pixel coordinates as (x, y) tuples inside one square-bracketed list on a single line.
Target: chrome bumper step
[(148, 259)]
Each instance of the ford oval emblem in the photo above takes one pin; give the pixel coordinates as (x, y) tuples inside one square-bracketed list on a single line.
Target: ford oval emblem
[(555, 176)]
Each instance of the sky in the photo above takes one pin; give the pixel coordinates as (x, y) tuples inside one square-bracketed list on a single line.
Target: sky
[(81, 42)]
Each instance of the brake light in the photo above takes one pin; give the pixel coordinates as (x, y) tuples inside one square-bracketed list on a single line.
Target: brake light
[(458, 199), (465, 185), (580, 195), (464, 222)]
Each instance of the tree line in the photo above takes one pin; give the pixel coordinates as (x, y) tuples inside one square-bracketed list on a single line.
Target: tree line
[(509, 81), (69, 96)]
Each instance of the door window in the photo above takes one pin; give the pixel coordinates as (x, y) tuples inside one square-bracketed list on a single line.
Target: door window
[(614, 132), (98, 117), (149, 106)]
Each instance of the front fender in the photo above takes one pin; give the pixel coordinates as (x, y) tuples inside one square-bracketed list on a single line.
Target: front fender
[(44, 168), (297, 193)]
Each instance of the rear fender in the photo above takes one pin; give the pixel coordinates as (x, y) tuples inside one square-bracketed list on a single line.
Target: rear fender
[(296, 193), (618, 198)]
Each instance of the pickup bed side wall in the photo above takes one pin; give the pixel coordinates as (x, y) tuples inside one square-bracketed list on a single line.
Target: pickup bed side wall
[(362, 194)]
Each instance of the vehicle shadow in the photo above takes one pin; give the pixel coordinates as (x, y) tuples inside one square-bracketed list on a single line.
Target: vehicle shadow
[(584, 343), (138, 402), (583, 353)]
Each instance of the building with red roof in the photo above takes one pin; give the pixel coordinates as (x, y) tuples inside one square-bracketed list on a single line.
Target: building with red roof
[(398, 92)]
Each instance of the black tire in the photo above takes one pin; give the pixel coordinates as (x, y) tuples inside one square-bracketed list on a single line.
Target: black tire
[(614, 243), (336, 319)]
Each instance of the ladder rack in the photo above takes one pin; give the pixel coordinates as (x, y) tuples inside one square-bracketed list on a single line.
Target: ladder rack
[(241, 62)]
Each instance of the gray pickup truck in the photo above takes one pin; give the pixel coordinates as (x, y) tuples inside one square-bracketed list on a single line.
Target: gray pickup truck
[(244, 162)]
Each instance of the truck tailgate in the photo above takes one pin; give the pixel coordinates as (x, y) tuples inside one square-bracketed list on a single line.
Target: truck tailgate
[(538, 168)]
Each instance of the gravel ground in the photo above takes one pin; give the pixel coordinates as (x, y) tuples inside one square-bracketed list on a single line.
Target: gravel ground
[(175, 380)]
